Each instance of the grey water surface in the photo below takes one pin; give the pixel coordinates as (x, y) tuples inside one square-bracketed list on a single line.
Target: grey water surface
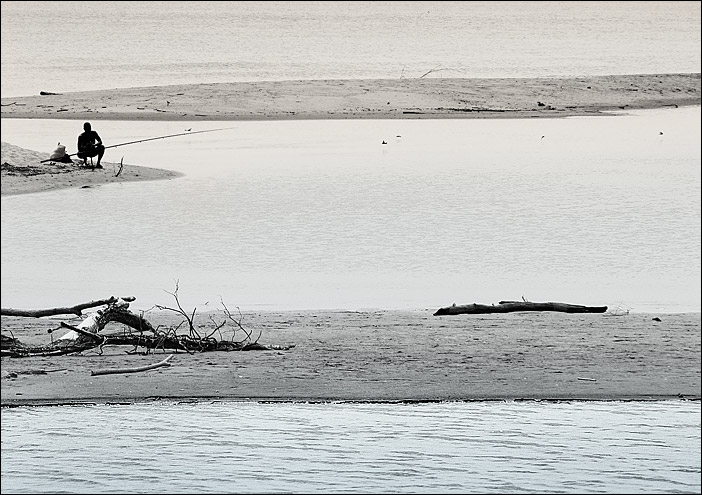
[(321, 215), (454, 447)]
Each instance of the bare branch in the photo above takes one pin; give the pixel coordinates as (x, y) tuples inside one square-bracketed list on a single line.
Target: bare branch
[(72, 310), (140, 333), (180, 310), (83, 332), (217, 327), (133, 370), (236, 322), (435, 69)]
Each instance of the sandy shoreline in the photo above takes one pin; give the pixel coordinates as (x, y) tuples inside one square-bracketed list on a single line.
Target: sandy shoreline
[(382, 356)]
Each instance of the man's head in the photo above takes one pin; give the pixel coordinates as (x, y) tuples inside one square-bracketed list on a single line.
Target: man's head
[(86, 126)]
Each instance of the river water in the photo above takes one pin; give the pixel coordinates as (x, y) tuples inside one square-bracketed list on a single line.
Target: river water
[(321, 215), (455, 447)]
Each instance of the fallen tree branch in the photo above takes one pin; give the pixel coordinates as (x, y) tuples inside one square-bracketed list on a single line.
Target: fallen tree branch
[(141, 333), (514, 306), (17, 349), (83, 332), (72, 310), (133, 370), (189, 318)]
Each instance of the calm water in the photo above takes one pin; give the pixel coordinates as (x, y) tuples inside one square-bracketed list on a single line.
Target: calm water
[(598, 447), (72, 46), (305, 215)]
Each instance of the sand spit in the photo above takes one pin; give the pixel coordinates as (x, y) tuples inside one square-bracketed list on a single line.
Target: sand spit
[(358, 99), (23, 172)]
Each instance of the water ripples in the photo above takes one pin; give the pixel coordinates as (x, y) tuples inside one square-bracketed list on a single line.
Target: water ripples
[(592, 447)]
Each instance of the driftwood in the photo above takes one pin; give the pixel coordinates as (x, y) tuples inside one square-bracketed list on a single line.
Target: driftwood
[(514, 306), (72, 310), (137, 331), (133, 370)]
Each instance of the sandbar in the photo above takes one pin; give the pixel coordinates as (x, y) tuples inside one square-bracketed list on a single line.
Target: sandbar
[(378, 356), (374, 98)]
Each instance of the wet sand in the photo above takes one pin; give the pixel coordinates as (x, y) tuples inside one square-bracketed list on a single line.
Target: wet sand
[(384, 356)]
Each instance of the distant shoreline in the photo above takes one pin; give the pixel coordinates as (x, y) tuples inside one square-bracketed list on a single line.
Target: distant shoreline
[(403, 98)]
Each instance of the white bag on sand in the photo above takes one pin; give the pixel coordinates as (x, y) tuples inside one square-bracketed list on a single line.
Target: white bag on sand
[(58, 153)]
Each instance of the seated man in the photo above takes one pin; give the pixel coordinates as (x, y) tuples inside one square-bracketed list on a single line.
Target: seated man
[(90, 145)]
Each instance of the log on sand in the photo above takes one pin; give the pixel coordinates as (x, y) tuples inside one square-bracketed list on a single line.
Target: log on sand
[(514, 306)]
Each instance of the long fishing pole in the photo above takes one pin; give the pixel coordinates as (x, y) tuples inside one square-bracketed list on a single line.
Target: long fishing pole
[(150, 139)]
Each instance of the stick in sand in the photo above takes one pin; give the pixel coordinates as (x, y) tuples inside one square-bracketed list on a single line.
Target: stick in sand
[(133, 370)]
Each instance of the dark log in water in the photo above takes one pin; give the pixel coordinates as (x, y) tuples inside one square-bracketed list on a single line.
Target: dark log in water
[(514, 306)]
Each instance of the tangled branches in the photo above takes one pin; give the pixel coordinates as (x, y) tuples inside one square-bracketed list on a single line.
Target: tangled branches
[(138, 332)]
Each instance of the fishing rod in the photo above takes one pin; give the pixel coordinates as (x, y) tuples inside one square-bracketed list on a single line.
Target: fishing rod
[(150, 139)]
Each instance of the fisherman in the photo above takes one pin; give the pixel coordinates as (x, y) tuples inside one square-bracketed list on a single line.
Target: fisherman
[(90, 145)]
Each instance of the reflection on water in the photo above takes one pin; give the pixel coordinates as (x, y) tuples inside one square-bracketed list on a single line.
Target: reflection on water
[(321, 215), (591, 447)]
